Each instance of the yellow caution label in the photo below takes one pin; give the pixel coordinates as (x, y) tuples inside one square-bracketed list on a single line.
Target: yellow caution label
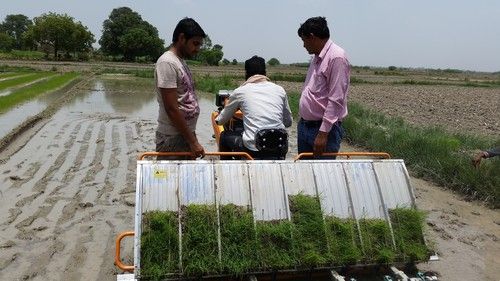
[(159, 174)]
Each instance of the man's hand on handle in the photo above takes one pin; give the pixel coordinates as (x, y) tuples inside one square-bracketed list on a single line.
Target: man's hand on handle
[(196, 149), (320, 143)]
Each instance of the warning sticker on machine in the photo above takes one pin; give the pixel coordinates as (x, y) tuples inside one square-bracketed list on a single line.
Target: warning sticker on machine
[(159, 174)]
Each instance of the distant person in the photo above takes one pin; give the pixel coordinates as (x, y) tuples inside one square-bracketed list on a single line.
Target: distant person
[(323, 102), (178, 103), (264, 106), (485, 154)]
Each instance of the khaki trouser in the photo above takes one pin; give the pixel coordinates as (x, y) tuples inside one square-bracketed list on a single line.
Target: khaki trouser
[(171, 143)]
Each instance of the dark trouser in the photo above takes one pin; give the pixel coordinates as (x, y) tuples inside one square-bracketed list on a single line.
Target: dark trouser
[(232, 141), (307, 132)]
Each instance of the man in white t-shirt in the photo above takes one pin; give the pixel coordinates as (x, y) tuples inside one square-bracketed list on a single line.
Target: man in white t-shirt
[(264, 106), (178, 103)]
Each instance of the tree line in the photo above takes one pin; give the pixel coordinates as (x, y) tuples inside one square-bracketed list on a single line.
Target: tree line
[(125, 37)]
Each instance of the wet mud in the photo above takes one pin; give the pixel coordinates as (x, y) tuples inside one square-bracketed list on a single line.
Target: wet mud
[(67, 188)]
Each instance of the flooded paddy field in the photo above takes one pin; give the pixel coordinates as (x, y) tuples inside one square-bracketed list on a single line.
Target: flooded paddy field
[(69, 190), (67, 184)]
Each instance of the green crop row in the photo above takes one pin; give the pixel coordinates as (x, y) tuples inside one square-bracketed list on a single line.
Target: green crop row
[(306, 240)]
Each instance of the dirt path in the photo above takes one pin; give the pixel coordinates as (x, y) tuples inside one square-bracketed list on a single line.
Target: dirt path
[(67, 193)]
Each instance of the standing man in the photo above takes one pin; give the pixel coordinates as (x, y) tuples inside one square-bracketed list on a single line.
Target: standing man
[(323, 102), (178, 103)]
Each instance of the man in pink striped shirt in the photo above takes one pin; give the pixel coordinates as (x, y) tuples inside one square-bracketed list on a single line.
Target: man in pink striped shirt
[(323, 102)]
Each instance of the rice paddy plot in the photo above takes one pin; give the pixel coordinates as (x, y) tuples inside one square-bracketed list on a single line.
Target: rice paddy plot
[(238, 240), (159, 244), (26, 93), (376, 241), (275, 245), (24, 79), (200, 254), (308, 233), (343, 241), (407, 226)]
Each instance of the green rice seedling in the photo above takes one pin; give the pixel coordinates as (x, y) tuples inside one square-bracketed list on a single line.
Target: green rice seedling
[(309, 238), (275, 245), (17, 81), (343, 241), (377, 241), (50, 84), (159, 244), (238, 240), (4, 75), (407, 226), (200, 247)]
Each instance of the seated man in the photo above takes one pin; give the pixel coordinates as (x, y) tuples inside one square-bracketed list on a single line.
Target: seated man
[(264, 106)]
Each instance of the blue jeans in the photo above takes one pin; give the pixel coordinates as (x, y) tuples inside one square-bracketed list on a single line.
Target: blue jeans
[(307, 132)]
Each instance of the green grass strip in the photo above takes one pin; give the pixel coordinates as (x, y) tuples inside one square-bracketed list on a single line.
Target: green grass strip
[(159, 244), (207, 83), (10, 74), (34, 90), (23, 79), (308, 233), (377, 241), (408, 227), (430, 152), (275, 245), (343, 241), (287, 77), (200, 254), (238, 240)]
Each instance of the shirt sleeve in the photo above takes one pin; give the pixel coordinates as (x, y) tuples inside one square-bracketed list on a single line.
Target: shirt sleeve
[(287, 113), (230, 108), (166, 75), (338, 83), (493, 152)]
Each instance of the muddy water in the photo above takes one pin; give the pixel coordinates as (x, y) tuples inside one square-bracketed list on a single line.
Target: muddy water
[(12, 118), (67, 193), (135, 100)]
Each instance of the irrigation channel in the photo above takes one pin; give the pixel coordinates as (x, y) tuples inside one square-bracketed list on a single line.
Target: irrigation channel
[(67, 186)]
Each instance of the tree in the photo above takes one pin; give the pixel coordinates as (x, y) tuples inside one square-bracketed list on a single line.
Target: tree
[(209, 54), (225, 61), (15, 26), (126, 34), (273, 61), (60, 33), (6, 42), (234, 62), (81, 39)]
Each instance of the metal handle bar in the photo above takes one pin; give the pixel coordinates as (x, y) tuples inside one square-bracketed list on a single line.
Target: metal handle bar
[(243, 154), (347, 154), (118, 261)]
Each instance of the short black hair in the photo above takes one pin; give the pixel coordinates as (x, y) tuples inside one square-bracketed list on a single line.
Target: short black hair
[(316, 26), (255, 65), (189, 27)]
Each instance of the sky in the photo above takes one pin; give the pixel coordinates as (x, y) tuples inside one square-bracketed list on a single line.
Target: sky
[(458, 34)]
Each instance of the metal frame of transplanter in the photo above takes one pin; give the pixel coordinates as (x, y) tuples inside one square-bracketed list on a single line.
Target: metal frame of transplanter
[(364, 188)]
